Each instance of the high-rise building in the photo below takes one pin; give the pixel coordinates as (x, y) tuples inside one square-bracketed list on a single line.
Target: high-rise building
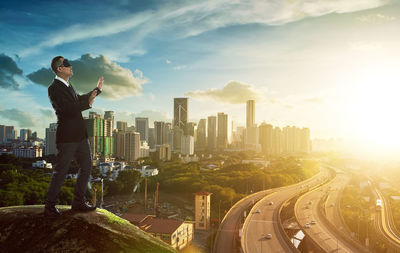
[(202, 213), (277, 141), (223, 131), (132, 146), (250, 113), (142, 127), (119, 144), (201, 140), (266, 138), (187, 145), (212, 133), (178, 133), (190, 129), (152, 138), (100, 136), (159, 131), (10, 133), (25, 134), (181, 111), (163, 152), (51, 147), (305, 142), (109, 115), (122, 125), (144, 149), (2, 133)]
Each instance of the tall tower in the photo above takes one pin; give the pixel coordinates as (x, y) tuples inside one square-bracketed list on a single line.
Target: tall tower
[(202, 212), (109, 115), (265, 138), (142, 127), (212, 133), (51, 148), (159, 130), (132, 146), (181, 112), (201, 135), (223, 131), (250, 113)]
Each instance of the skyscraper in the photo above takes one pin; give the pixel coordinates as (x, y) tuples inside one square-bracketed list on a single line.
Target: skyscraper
[(142, 127), (100, 135), (10, 133), (265, 138), (201, 135), (187, 145), (132, 146), (223, 131), (212, 133), (159, 130), (122, 125), (181, 112), (119, 144), (250, 113), (25, 134), (109, 115), (51, 147), (2, 133)]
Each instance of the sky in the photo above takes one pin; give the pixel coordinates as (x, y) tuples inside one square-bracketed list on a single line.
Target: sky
[(329, 65)]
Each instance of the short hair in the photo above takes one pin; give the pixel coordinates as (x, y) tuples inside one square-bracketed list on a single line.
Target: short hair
[(55, 63)]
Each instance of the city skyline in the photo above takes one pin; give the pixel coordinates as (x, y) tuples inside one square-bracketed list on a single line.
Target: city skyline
[(330, 68)]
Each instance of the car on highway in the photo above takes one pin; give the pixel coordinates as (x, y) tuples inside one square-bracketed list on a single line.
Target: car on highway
[(268, 236), (257, 211), (313, 222), (271, 203), (307, 225)]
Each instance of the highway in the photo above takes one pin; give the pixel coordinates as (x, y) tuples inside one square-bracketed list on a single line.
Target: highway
[(225, 240), (307, 211), (264, 218), (384, 222)]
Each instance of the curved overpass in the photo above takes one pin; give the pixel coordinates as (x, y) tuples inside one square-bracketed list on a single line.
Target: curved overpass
[(264, 218), (319, 229)]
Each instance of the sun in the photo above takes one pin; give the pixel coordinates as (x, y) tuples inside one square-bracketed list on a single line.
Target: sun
[(375, 109)]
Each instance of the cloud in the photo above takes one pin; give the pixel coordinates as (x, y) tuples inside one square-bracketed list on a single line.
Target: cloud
[(233, 93), (10, 73), (314, 100), (23, 119), (376, 18), (119, 82), (48, 113), (191, 18), (180, 67)]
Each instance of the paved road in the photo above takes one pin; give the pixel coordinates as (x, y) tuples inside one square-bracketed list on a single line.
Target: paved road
[(307, 210), (264, 218), (384, 222)]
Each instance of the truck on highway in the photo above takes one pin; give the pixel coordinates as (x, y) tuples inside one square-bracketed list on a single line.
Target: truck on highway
[(378, 205)]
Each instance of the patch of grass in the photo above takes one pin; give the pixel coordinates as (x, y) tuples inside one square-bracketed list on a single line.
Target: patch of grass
[(112, 218)]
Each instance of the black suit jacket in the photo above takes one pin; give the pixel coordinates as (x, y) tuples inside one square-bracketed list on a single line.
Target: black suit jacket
[(71, 125)]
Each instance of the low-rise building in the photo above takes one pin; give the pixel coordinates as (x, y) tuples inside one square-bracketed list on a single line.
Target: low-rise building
[(42, 164), (147, 171), (28, 152), (174, 232)]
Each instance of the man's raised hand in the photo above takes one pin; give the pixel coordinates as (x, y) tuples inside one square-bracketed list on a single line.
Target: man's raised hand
[(100, 83), (92, 96)]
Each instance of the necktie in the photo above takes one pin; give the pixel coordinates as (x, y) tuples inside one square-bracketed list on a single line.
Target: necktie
[(71, 89)]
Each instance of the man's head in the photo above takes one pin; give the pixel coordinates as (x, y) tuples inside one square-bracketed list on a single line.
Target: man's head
[(61, 66)]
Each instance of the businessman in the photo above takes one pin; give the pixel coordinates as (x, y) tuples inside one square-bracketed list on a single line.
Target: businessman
[(71, 136)]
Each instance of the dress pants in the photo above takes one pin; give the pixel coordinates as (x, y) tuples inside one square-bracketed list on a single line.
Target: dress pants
[(80, 151)]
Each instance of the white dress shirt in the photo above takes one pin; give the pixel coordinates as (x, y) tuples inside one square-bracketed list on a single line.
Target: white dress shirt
[(62, 80)]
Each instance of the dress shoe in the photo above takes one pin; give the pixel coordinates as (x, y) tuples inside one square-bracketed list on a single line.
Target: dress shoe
[(51, 212), (83, 207)]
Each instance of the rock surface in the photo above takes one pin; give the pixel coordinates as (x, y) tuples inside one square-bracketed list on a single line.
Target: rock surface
[(26, 229)]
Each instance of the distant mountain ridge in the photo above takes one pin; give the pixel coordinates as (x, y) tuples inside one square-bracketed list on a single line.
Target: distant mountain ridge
[(25, 229)]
